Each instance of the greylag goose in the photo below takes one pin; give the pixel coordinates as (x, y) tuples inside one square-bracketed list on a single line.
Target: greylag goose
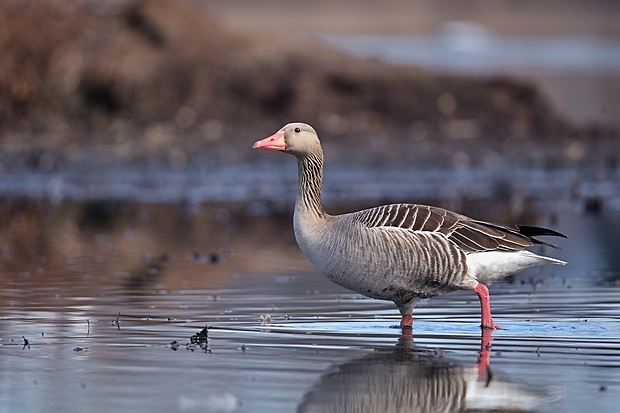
[(413, 379), (400, 252)]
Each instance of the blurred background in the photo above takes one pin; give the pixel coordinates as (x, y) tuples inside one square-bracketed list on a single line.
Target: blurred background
[(133, 210), (180, 84), (498, 109)]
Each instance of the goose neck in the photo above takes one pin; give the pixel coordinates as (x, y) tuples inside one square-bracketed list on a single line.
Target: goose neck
[(310, 184)]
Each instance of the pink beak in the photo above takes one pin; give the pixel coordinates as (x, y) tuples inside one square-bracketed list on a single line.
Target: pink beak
[(273, 143)]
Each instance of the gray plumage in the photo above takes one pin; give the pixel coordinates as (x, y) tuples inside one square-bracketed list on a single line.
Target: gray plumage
[(413, 380), (400, 252)]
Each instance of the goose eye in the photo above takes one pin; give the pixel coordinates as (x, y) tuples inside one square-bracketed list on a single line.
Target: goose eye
[(297, 130)]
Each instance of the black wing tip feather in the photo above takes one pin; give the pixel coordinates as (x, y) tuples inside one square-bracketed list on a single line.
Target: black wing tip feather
[(528, 232), (532, 232), (538, 231)]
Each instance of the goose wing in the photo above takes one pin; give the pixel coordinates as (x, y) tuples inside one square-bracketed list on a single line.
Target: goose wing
[(468, 234)]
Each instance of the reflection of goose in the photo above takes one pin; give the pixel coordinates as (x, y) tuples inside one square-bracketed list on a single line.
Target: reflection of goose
[(409, 379), (403, 252)]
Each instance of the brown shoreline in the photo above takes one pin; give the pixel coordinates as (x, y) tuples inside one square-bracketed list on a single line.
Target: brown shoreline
[(165, 82)]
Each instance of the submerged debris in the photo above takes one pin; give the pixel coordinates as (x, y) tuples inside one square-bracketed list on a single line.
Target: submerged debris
[(203, 336), (116, 322), (212, 258), (201, 340)]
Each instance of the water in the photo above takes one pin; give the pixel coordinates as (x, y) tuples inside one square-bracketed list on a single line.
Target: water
[(100, 301), (480, 52)]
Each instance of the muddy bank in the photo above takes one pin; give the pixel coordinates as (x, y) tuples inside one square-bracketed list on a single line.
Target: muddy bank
[(164, 83)]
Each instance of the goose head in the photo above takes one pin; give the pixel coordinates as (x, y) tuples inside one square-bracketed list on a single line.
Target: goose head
[(298, 139)]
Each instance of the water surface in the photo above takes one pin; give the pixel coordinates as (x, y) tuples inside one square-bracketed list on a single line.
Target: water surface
[(102, 301)]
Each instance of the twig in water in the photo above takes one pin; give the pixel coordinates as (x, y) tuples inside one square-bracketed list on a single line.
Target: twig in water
[(118, 321)]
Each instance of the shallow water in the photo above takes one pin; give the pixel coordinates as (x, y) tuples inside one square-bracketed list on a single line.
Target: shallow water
[(109, 294)]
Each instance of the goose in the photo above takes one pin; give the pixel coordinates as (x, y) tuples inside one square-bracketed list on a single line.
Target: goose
[(414, 379), (401, 252)]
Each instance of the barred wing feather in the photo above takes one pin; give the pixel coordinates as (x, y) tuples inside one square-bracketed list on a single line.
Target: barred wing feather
[(468, 234)]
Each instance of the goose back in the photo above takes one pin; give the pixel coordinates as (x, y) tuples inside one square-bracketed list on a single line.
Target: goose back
[(468, 234)]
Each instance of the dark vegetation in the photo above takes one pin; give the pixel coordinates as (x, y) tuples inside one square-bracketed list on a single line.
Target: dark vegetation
[(162, 82)]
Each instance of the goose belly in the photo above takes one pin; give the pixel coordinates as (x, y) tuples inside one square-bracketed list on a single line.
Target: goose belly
[(390, 264)]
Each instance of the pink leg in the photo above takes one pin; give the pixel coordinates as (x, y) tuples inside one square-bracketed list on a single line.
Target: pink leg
[(485, 307), (406, 325), (407, 321), (484, 358)]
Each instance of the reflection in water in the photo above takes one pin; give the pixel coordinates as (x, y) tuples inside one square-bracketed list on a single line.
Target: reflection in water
[(415, 379), (150, 244), (101, 290), (136, 245)]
